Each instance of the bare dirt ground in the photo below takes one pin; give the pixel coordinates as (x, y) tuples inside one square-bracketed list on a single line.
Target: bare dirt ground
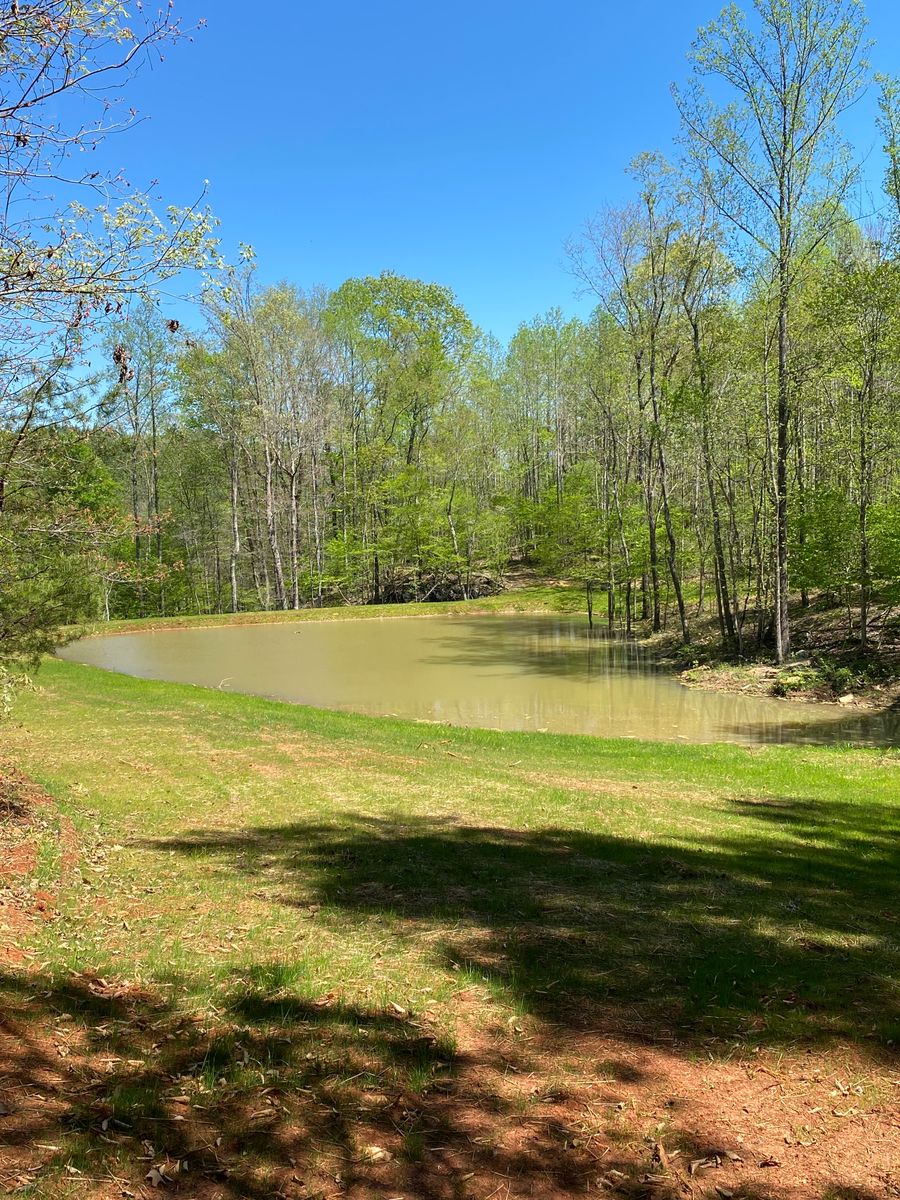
[(761, 679)]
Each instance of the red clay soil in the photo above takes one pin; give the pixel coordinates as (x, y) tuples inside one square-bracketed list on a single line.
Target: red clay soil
[(28, 818)]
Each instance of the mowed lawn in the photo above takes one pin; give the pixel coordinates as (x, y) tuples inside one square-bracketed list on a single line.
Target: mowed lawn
[(300, 953)]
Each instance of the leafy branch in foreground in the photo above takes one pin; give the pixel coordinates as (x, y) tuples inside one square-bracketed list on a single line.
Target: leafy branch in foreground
[(76, 243)]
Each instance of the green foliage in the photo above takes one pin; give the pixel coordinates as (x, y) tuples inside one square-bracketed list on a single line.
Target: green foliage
[(57, 520), (572, 539), (67, 262), (825, 555), (885, 537), (371, 445)]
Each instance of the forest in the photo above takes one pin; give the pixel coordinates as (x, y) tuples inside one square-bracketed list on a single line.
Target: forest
[(586, 885), (717, 442)]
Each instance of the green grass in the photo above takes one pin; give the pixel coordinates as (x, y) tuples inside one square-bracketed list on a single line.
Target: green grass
[(314, 911), (217, 811)]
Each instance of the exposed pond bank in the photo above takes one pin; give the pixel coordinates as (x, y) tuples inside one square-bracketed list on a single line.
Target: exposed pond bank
[(826, 667)]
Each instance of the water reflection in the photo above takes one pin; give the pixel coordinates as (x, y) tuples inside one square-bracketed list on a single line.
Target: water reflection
[(534, 672)]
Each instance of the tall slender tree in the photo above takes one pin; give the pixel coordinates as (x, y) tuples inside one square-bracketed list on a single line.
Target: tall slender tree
[(773, 164)]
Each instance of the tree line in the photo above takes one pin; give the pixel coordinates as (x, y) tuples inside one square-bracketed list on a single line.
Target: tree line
[(718, 438)]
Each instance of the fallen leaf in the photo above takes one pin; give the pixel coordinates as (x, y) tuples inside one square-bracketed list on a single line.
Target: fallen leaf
[(376, 1154), (702, 1164)]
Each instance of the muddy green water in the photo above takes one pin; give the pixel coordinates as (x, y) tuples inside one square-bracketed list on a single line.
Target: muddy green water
[(505, 672)]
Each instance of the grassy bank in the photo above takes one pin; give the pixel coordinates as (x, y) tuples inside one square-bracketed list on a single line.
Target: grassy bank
[(300, 953), (547, 598)]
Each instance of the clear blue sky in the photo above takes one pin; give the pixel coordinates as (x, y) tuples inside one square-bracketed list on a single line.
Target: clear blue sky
[(461, 143)]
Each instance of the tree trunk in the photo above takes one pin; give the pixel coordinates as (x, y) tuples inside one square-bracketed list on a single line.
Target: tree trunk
[(272, 532), (782, 450), (295, 538), (235, 531)]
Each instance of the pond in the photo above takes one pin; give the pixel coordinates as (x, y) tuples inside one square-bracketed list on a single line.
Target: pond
[(544, 673)]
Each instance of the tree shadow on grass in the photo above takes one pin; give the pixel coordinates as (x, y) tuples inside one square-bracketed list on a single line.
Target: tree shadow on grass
[(781, 932), (281, 1096), (784, 931)]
